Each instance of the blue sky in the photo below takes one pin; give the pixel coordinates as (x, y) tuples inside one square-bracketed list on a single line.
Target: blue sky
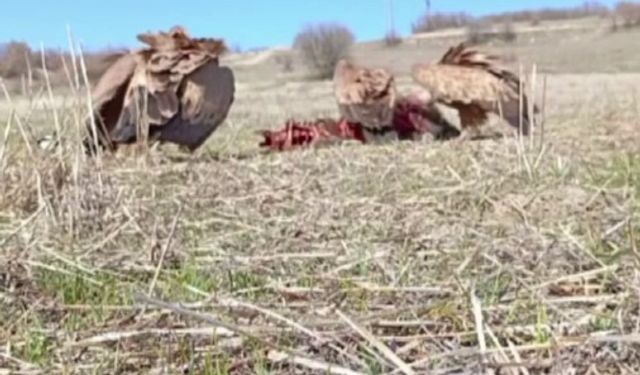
[(244, 23)]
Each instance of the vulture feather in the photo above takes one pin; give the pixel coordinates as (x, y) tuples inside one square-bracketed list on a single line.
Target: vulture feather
[(173, 90), (475, 85)]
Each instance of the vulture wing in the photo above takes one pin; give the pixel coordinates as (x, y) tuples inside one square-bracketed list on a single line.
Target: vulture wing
[(207, 96), (474, 83), (365, 96), (108, 97), (452, 83), (179, 88)]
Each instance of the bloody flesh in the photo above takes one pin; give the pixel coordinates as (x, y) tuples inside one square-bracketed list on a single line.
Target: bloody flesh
[(412, 117)]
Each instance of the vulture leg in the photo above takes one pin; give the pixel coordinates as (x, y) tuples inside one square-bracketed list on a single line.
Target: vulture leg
[(472, 116)]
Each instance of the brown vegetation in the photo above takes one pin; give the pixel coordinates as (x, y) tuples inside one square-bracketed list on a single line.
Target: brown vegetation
[(14, 58), (483, 32), (587, 9), (438, 21), (285, 61), (19, 60), (627, 14)]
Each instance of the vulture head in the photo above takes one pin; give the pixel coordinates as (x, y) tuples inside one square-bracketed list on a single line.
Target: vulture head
[(365, 96)]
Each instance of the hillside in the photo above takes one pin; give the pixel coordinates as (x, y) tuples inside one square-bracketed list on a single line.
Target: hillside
[(496, 256), (577, 46)]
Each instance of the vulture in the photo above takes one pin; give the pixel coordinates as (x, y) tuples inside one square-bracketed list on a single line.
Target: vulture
[(366, 97), (172, 90), (475, 85)]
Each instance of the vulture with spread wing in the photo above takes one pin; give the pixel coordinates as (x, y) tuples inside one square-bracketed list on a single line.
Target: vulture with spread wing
[(171, 91), (475, 85), (366, 97)]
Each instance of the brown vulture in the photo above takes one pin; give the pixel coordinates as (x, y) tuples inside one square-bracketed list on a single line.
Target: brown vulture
[(475, 85), (173, 90)]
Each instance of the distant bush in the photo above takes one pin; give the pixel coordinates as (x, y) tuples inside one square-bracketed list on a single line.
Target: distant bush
[(322, 46), (508, 33), (628, 12), (438, 21), (587, 9), (484, 32), (18, 59), (285, 61), (479, 33), (15, 58)]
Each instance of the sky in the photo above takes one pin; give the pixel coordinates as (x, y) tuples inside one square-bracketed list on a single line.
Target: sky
[(242, 23)]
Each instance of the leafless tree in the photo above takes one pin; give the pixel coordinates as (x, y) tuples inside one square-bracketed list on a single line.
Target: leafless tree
[(321, 46)]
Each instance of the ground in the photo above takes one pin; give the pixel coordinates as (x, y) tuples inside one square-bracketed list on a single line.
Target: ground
[(495, 256)]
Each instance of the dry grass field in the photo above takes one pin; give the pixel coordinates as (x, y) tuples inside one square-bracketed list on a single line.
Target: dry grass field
[(493, 257)]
